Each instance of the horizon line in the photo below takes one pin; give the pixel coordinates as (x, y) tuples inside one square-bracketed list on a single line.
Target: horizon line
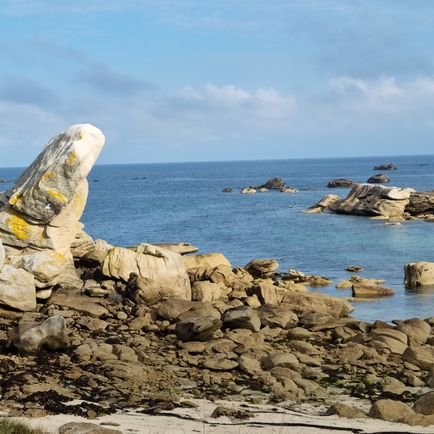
[(248, 160)]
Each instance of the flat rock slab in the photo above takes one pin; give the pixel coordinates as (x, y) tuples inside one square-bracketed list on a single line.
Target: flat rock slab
[(79, 303)]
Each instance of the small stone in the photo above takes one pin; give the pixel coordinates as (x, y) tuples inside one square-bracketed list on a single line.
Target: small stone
[(121, 316)]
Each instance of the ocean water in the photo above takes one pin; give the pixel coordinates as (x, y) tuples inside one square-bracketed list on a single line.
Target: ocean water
[(129, 204)]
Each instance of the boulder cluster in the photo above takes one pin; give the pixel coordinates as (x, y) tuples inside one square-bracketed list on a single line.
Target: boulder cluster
[(389, 203), (88, 328), (277, 184)]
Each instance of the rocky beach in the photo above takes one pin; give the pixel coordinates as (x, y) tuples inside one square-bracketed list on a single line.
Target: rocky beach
[(94, 330)]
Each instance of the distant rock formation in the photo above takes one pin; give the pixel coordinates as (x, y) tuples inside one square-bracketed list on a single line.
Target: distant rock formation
[(378, 179), (340, 183), (387, 166), (368, 200)]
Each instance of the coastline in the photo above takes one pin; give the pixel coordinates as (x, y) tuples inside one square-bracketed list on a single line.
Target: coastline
[(92, 329)]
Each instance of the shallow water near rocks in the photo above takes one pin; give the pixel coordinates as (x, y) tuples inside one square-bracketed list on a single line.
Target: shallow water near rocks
[(153, 203)]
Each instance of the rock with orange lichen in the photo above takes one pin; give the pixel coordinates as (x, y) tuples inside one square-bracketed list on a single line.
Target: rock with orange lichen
[(40, 215), (44, 207)]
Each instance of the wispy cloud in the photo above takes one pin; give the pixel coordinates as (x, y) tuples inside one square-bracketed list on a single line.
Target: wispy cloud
[(104, 79)]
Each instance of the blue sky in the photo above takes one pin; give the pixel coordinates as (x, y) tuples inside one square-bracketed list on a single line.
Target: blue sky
[(191, 80)]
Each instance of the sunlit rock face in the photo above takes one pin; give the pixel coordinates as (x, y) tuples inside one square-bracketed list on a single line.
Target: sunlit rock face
[(40, 215), (44, 207)]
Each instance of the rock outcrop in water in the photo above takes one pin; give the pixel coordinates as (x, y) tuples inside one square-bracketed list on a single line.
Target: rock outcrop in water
[(369, 200), (340, 183), (419, 274), (387, 166)]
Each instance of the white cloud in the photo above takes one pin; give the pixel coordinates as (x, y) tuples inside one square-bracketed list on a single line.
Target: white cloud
[(384, 95)]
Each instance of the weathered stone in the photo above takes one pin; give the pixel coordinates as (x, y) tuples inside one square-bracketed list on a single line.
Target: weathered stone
[(151, 262), (83, 304), (219, 364), (421, 356), (17, 288), (181, 248), (249, 365), (277, 316), (199, 328), (425, 404), (99, 251), (172, 308), (301, 303), (372, 200), (262, 267), (2, 255), (345, 410), (47, 266), (242, 317), (340, 183), (378, 179), (393, 386), (267, 292), (82, 244), (207, 291), (324, 204), (421, 204), (29, 337), (392, 411), (419, 274), (207, 260), (280, 359), (46, 203), (273, 183), (417, 330), (390, 339), (371, 291)]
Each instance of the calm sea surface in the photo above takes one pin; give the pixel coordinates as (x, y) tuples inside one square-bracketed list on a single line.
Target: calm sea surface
[(152, 203)]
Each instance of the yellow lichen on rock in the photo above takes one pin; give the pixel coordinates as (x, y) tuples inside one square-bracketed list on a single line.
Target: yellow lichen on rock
[(72, 158), (54, 194), (19, 227), (15, 199), (48, 175)]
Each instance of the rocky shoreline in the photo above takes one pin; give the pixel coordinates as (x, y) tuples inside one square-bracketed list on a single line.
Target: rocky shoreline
[(91, 329)]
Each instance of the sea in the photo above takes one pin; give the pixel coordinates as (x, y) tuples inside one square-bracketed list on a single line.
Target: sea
[(184, 202)]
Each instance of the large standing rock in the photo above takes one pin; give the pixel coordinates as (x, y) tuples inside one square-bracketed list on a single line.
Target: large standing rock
[(419, 274), (17, 288), (163, 266), (41, 214), (46, 203)]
